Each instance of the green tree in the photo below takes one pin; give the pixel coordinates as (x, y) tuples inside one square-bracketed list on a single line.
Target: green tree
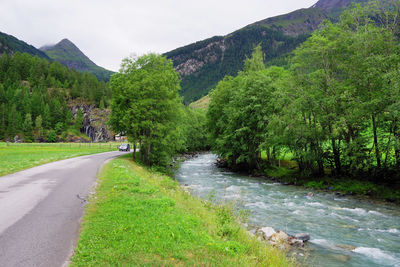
[(146, 106), (240, 111), (2, 121), (27, 128), (78, 120), (52, 137), (59, 128), (38, 126)]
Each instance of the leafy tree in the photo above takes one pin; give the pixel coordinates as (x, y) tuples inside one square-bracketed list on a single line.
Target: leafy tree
[(239, 112), (146, 106), (52, 137)]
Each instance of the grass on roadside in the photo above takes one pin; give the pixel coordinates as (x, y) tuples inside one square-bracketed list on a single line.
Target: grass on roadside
[(16, 157), (141, 218)]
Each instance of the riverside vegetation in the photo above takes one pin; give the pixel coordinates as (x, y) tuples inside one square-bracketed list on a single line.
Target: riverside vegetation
[(143, 218), (335, 108)]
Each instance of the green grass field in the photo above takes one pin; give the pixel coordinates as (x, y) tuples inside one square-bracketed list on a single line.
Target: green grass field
[(19, 156), (139, 218)]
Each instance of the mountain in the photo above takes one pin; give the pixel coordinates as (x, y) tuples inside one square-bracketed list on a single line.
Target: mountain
[(68, 54), (203, 64), (9, 45), (334, 4)]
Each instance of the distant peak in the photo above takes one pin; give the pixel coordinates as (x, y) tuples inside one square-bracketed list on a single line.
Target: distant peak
[(63, 43), (65, 40), (67, 43)]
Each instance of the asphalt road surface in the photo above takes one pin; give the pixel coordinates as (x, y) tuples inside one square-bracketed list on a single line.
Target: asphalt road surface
[(41, 209)]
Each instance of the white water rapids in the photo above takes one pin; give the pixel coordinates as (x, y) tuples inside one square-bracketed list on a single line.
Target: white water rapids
[(373, 228)]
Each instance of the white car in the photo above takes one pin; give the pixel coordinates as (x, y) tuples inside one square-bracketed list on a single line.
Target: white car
[(124, 147)]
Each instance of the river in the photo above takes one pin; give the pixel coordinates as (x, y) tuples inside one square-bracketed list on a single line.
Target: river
[(373, 228)]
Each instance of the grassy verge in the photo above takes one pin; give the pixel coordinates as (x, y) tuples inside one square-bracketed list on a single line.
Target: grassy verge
[(138, 217), (17, 157)]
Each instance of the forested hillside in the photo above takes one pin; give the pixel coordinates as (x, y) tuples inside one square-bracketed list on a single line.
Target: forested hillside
[(69, 55), (203, 64), (35, 94), (10, 45)]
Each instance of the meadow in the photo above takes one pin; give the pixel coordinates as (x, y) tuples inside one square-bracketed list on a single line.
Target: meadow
[(20, 156), (142, 218)]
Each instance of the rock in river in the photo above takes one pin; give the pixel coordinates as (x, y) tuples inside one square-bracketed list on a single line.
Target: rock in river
[(302, 236)]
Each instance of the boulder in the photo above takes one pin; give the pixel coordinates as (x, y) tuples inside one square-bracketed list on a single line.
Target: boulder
[(279, 237), (267, 232), (295, 242), (17, 139), (302, 236), (221, 163)]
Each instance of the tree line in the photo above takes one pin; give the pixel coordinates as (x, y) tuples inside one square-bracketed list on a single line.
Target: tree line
[(34, 97), (335, 108)]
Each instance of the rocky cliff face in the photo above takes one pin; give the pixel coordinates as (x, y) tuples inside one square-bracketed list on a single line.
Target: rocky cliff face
[(209, 54), (94, 122)]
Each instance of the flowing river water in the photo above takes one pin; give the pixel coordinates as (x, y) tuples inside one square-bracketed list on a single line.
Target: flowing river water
[(373, 228)]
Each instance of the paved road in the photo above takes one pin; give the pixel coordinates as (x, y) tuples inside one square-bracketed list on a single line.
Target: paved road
[(41, 209)]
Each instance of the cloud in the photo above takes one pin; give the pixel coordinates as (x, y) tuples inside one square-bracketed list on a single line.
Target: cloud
[(107, 31)]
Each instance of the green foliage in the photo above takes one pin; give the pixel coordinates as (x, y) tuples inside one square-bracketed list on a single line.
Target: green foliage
[(27, 127), (315, 184), (239, 112), (59, 127), (31, 86), (335, 109), (9, 45), (194, 130), (52, 137), (78, 120), (146, 107)]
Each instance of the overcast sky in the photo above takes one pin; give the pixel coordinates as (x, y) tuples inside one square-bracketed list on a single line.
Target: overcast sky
[(107, 31)]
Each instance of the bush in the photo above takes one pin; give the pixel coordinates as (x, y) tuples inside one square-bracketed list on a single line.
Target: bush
[(52, 137)]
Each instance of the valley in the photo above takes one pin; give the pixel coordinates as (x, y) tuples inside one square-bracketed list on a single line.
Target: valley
[(277, 144)]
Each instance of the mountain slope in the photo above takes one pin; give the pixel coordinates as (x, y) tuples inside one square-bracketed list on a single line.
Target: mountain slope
[(203, 64), (69, 55), (9, 45)]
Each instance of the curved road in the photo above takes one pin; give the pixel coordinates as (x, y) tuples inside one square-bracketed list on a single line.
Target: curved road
[(41, 209)]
